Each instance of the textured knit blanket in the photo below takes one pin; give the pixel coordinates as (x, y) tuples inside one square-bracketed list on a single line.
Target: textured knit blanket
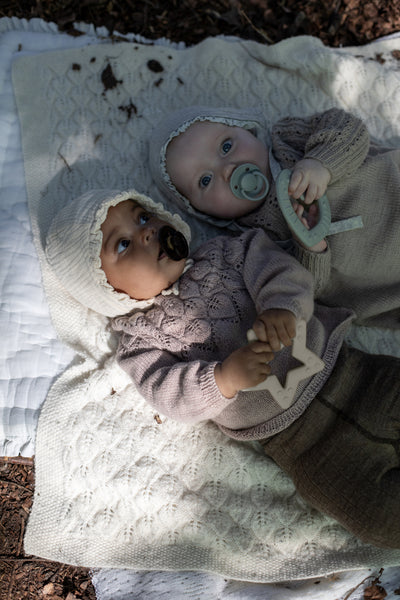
[(116, 484)]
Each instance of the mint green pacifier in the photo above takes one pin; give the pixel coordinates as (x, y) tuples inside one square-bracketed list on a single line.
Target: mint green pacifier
[(309, 237), (248, 183)]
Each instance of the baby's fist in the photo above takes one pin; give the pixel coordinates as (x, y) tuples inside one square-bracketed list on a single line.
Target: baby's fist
[(276, 326), (309, 177)]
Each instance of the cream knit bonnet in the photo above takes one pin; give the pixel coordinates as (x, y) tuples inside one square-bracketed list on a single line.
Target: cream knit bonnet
[(73, 247), (176, 123)]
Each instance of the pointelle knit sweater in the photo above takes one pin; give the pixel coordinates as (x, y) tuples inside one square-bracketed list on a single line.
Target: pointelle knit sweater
[(171, 350)]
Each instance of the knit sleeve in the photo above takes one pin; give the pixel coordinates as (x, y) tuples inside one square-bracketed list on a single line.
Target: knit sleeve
[(183, 391), (338, 139), (275, 279), (317, 263)]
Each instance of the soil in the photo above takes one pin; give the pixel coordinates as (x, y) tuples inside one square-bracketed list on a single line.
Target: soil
[(335, 22), (24, 577)]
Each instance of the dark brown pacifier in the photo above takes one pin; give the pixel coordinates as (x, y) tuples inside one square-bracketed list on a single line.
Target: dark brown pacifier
[(173, 243)]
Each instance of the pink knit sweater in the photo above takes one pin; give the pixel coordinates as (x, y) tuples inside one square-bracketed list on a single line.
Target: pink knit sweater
[(171, 350)]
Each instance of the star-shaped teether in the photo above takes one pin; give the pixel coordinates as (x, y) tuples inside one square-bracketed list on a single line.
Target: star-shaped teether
[(312, 364)]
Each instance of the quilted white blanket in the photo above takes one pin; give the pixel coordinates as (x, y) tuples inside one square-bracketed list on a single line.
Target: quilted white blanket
[(116, 486)]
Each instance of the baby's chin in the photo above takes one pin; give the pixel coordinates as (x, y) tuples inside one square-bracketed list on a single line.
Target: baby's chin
[(245, 207), (232, 209)]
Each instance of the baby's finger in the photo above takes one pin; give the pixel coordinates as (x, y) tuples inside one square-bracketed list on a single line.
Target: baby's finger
[(291, 329), (264, 369), (265, 358), (259, 330), (273, 337), (295, 182), (299, 210), (284, 335), (259, 347), (311, 193)]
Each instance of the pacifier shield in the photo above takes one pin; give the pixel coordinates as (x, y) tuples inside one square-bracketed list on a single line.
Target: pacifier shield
[(173, 243), (248, 183)]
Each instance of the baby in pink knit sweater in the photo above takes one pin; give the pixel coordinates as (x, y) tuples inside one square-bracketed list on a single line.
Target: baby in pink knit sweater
[(133, 263), (183, 325)]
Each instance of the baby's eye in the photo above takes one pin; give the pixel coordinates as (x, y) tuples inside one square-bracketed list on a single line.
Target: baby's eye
[(226, 146), (122, 245), (144, 218), (205, 181)]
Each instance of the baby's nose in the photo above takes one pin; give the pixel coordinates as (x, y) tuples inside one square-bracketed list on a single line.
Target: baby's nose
[(149, 232), (228, 169)]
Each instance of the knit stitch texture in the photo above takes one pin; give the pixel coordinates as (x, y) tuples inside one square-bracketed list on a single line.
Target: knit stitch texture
[(117, 485)]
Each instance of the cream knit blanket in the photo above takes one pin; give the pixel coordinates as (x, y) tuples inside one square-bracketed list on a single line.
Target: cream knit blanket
[(117, 485)]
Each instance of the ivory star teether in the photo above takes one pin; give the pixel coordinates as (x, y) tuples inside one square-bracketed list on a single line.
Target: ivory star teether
[(312, 364)]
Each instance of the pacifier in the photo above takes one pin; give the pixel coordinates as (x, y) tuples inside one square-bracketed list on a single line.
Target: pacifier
[(173, 243), (248, 183), (309, 237)]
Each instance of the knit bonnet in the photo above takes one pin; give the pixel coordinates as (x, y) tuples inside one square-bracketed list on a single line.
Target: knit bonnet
[(73, 246), (174, 124)]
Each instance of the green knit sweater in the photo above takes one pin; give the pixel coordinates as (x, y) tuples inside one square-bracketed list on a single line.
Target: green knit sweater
[(360, 268)]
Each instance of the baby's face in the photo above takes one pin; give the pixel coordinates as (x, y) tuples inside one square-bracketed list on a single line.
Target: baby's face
[(131, 256), (201, 160)]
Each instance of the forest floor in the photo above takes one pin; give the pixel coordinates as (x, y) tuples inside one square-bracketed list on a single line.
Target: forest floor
[(336, 22)]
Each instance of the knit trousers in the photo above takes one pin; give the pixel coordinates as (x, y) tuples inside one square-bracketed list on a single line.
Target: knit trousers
[(343, 453)]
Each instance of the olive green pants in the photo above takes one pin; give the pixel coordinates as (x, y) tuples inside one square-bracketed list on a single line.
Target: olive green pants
[(343, 453)]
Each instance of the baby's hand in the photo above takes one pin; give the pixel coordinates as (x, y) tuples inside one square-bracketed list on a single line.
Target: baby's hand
[(309, 177), (275, 326), (244, 368)]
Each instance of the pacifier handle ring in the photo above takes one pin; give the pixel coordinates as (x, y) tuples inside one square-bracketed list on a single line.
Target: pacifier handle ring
[(239, 190), (309, 237)]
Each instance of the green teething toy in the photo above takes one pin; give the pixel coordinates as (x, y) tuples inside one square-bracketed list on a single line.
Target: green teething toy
[(309, 237), (248, 183)]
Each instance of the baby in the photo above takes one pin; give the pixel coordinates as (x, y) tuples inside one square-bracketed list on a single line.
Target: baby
[(197, 152), (183, 325)]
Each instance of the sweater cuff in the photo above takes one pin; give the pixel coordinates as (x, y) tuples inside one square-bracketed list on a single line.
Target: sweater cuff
[(213, 400), (317, 263)]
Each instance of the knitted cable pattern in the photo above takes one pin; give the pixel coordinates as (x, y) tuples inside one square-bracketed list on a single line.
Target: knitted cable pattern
[(114, 486)]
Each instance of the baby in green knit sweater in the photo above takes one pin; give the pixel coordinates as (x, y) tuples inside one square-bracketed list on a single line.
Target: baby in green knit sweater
[(202, 160), (196, 156)]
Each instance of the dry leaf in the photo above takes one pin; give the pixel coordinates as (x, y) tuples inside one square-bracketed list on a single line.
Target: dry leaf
[(374, 592)]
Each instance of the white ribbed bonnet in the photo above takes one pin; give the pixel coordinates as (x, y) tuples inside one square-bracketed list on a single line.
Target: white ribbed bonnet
[(174, 124), (73, 247)]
